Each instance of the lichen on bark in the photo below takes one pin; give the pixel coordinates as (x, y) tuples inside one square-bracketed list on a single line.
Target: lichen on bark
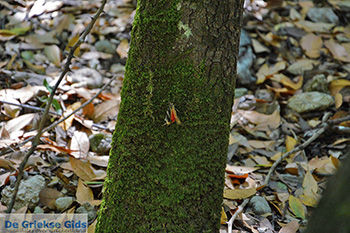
[(169, 178)]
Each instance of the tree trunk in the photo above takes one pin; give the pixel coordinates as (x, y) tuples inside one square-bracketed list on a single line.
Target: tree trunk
[(333, 212), (167, 176)]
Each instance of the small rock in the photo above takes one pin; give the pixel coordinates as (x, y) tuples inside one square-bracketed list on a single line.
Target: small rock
[(325, 15), (117, 68), (86, 77), (38, 210), (100, 143), (240, 92), (264, 94), (299, 67), (105, 46), (310, 101), (63, 203), (259, 205), (28, 192), (88, 209), (317, 83), (245, 60)]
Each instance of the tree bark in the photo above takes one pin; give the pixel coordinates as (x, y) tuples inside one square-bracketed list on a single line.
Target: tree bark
[(169, 177), (333, 211)]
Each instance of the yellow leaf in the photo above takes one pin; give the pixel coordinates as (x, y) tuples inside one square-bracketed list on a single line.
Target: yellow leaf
[(309, 200), (338, 100), (290, 143), (223, 219), (234, 194), (297, 207), (337, 85), (71, 43)]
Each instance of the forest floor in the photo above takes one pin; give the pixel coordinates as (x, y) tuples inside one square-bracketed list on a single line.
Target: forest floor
[(293, 79)]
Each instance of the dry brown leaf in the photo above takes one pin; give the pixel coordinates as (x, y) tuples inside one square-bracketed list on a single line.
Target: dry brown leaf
[(337, 50), (312, 45), (48, 197), (266, 71), (84, 193), (309, 184), (106, 109), (234, 194), (262, 121), (16, 124), (80, 144), (83, 170), (123, 48), (291, 227)]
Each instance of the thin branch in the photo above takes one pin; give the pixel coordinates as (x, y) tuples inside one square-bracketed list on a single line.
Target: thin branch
[(53, 125), (29, 107), (234, 216), (36, 139), (324, 126), (302, 146)]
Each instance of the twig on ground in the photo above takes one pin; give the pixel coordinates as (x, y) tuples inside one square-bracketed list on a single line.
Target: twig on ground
[(53, 125), (29, 107), (324, 126), (234, 216), (302, 146), (36, 139)]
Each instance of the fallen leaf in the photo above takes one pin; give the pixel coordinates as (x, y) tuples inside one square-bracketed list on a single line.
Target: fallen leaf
[(309, 184), (312, 45), (53, 53), (80, 144), (84, 193), (223, 219), (123, 48), (291, 227), (297, 207), (48, 197), (337, 50), (234, 194)]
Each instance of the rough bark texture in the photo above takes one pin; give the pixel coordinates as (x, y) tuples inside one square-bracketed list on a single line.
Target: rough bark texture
[(169, 178), (333, 212)]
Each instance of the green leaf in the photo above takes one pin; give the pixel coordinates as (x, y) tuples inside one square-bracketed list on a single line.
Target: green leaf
[(297, 207), (48, 87)]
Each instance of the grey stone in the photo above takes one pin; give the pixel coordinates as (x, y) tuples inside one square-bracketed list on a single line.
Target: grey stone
[(317, 83), (105, 46), (259, 205), (38, 210), (86, 77), (245, 60), (28, 192), (324, 14), (310, 101), (240, 92), (88, 209), (299, 67), (63, 203)]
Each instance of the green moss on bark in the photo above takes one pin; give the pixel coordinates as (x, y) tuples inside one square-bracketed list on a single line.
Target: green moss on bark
[(168, 178)]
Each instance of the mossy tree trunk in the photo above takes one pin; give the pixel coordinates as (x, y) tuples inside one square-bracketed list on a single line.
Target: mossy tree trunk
[(169, 178)]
